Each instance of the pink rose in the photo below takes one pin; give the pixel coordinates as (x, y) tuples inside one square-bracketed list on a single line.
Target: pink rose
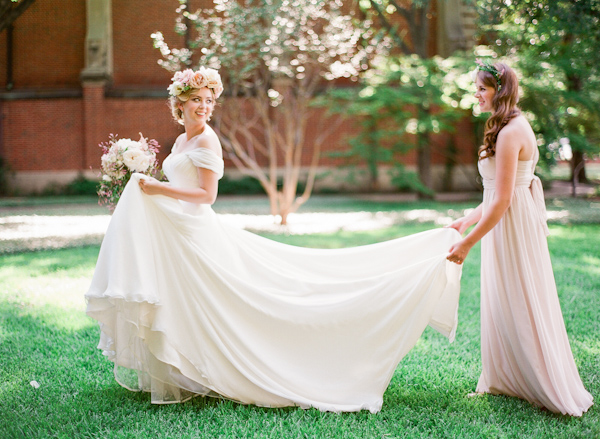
[(198, 80), (213, 80)]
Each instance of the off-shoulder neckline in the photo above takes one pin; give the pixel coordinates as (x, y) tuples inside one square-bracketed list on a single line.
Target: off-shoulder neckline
[(199, 148), (203, 148)]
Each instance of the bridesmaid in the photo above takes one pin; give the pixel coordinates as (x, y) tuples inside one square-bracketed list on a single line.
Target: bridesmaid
[(525, 351)]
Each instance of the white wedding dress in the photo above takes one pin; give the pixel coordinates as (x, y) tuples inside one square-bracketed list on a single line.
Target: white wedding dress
[(190, 305)]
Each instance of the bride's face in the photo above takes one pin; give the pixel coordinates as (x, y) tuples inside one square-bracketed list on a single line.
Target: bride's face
[(485, 95), (199, 107)]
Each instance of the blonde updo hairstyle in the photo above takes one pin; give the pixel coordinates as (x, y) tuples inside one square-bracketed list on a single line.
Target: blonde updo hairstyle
[(187, 82), (504, 105), (175, 101)]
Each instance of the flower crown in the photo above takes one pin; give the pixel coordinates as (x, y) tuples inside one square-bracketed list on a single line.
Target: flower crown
[(188, 79), (486, 66)]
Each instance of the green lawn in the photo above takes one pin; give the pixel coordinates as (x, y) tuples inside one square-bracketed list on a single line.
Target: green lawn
[(45, 336)]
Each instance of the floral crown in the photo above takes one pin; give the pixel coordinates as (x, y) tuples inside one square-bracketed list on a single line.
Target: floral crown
[(203, 77), (486, 66)]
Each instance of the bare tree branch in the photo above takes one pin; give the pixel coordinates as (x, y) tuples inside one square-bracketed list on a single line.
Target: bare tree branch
[(389, 28), (10, 11)]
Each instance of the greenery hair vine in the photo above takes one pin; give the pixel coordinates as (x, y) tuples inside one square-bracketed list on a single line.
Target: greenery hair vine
[(489, 67)]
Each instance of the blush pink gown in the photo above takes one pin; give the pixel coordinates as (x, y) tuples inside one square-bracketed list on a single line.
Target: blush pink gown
[(525, 351)]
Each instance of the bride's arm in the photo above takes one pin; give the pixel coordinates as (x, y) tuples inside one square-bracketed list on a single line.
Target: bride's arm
[(205, 194), (507, 156)]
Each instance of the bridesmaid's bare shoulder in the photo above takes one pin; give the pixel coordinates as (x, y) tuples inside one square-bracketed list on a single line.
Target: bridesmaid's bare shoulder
[(519, 136)]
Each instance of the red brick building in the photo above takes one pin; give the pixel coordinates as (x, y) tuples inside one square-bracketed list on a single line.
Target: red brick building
[(73, 71)]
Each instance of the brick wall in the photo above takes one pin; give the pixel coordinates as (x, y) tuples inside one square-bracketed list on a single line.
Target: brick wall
[(135, 58), (48, 48), (43, 134), (60, 134), (152, 117)]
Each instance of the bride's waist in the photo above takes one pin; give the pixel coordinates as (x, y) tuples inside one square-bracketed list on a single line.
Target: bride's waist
[(191, 183)]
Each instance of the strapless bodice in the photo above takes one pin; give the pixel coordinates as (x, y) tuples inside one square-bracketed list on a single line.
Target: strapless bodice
[(525, 180), (487, 170)]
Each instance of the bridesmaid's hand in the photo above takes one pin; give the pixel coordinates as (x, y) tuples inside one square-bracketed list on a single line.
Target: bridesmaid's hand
[(460, 225), (458, 252), (150, 186)]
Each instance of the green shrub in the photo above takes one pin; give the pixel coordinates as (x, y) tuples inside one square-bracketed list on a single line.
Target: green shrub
[(4, 173), (240, 186), (81, 186)]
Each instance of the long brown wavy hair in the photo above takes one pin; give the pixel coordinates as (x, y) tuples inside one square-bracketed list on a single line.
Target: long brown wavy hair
[(504, 106)]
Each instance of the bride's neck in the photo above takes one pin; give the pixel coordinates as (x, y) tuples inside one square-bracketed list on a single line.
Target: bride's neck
[(194, 130)]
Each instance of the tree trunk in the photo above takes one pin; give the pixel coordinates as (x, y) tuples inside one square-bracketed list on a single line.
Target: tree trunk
[(284, 214), (578, 168), (373, 156), (574, 84), (450, 164), (424, 164), (424, 156)]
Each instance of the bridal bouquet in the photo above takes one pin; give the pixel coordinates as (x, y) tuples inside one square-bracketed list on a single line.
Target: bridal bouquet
[(120, 159)]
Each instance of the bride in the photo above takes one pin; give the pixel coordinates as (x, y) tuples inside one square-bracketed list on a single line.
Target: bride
[(189, 305)]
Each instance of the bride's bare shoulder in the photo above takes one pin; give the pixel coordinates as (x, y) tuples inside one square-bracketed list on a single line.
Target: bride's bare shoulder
[(210, 140)]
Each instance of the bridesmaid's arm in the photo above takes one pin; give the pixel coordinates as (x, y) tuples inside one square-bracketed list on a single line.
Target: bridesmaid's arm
[(467, 221), (205, 194), (508, 147)]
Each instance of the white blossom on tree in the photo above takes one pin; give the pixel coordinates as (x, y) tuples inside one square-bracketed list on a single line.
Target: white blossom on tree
[(274, 56)]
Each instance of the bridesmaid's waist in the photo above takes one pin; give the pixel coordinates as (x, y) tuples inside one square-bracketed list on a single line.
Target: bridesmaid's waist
[(520, 182)]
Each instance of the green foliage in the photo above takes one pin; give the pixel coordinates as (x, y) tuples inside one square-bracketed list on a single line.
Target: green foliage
[(555, 45), (81, 186), (78, 186), (401, 103), (408, 180), (240, 186)]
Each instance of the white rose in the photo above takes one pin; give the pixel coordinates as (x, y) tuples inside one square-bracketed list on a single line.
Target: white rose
[(106, 161), (125, 144), (176, 89), (136, 160)]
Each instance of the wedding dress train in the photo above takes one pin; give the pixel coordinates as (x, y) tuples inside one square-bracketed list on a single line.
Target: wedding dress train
[(190, 305)]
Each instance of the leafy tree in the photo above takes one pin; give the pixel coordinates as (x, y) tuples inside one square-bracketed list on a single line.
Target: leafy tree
[(555, 44), (407, 24), (403, 102), (275, 57)]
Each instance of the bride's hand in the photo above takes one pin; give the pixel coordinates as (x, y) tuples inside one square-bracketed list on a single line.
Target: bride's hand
[(150, 186), (458, 252), (460, 225)]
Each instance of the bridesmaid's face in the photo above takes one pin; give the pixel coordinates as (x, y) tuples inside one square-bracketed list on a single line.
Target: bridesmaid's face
[(484, 94), (199, 107)]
